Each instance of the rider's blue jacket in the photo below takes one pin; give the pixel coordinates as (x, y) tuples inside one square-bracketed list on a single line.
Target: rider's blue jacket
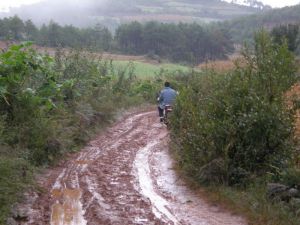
[(166, 97)]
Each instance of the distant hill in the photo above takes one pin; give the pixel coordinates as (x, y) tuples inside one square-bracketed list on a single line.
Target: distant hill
[(242, 29), (114, 12), (251, 3)]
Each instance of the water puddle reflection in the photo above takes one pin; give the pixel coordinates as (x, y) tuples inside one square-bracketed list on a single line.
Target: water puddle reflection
[(68, 209), (83, 162), (143, 173)]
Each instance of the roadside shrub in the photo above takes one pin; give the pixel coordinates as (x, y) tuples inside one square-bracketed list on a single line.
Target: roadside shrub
[(15, 175), (291, 177), (239, 117), (43, 99)]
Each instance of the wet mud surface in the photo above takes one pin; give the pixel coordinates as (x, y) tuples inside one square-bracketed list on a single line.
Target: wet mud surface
[(123, 177)]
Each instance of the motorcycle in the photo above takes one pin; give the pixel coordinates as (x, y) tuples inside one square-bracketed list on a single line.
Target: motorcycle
[(167, 110)]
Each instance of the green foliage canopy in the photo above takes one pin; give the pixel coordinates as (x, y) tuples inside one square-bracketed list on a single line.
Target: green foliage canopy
[(191, 43)]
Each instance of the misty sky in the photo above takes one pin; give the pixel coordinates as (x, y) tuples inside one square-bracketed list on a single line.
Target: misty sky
[(5, 4), (280, 3)]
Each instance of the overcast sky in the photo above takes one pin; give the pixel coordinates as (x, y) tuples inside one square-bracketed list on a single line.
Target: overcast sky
[(5, 4), (280, 3)]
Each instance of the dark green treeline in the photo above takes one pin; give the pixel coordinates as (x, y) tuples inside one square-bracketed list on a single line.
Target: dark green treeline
[(191, 43)]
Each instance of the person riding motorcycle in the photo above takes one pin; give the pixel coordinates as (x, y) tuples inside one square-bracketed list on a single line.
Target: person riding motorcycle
[(167, 96)]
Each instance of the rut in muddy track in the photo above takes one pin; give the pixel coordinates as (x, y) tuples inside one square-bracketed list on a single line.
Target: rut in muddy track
[(124, 176)]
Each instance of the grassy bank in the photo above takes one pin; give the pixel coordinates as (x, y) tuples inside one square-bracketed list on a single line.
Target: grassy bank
[(256, 206)]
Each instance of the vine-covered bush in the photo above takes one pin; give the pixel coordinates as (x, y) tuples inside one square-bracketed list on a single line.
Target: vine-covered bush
[(230, 128), (47, 103)]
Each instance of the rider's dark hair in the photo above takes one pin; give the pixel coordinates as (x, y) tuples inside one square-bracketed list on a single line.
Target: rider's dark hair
[(167, 84)]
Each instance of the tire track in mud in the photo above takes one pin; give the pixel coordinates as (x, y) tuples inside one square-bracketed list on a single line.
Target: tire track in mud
[(123, 176)]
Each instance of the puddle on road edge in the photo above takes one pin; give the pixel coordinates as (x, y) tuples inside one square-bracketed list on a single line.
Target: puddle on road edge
[(143, 175), (69, 212)]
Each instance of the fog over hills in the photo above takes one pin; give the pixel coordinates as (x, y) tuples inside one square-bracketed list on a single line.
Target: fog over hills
[(251, 3), (111, 13)]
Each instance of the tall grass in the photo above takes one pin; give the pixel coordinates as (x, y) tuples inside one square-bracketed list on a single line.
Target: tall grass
[(254, 205)]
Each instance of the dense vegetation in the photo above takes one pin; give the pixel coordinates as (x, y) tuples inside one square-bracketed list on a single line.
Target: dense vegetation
[(235, 129), (290, 34), (190, 43), (183, 42), (50, 106), (53, 35)]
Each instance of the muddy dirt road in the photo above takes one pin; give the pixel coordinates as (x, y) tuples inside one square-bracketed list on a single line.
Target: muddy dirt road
[(125, 177)]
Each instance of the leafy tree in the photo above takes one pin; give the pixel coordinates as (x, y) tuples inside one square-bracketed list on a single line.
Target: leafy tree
[(287, 33), (129, 38), (16, 28), (182, 42), (54, 34), (31, 31), (70, 37), (101, 37), (3, 29)]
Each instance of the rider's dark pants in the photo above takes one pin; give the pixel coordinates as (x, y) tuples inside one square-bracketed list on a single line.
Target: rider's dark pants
[(160, 112)]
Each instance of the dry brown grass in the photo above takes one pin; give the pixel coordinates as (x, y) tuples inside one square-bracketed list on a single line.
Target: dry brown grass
[(218, 66), (293, 96), (293, 100), (4, 44), (221, 66)]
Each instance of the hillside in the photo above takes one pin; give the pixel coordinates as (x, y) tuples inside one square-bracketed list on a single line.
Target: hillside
[(251, 3), (112, 13), (242, 29)]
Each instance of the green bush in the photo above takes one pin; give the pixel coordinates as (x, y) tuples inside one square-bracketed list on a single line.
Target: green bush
[(15, 175), (239, 118), (291, 177)]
